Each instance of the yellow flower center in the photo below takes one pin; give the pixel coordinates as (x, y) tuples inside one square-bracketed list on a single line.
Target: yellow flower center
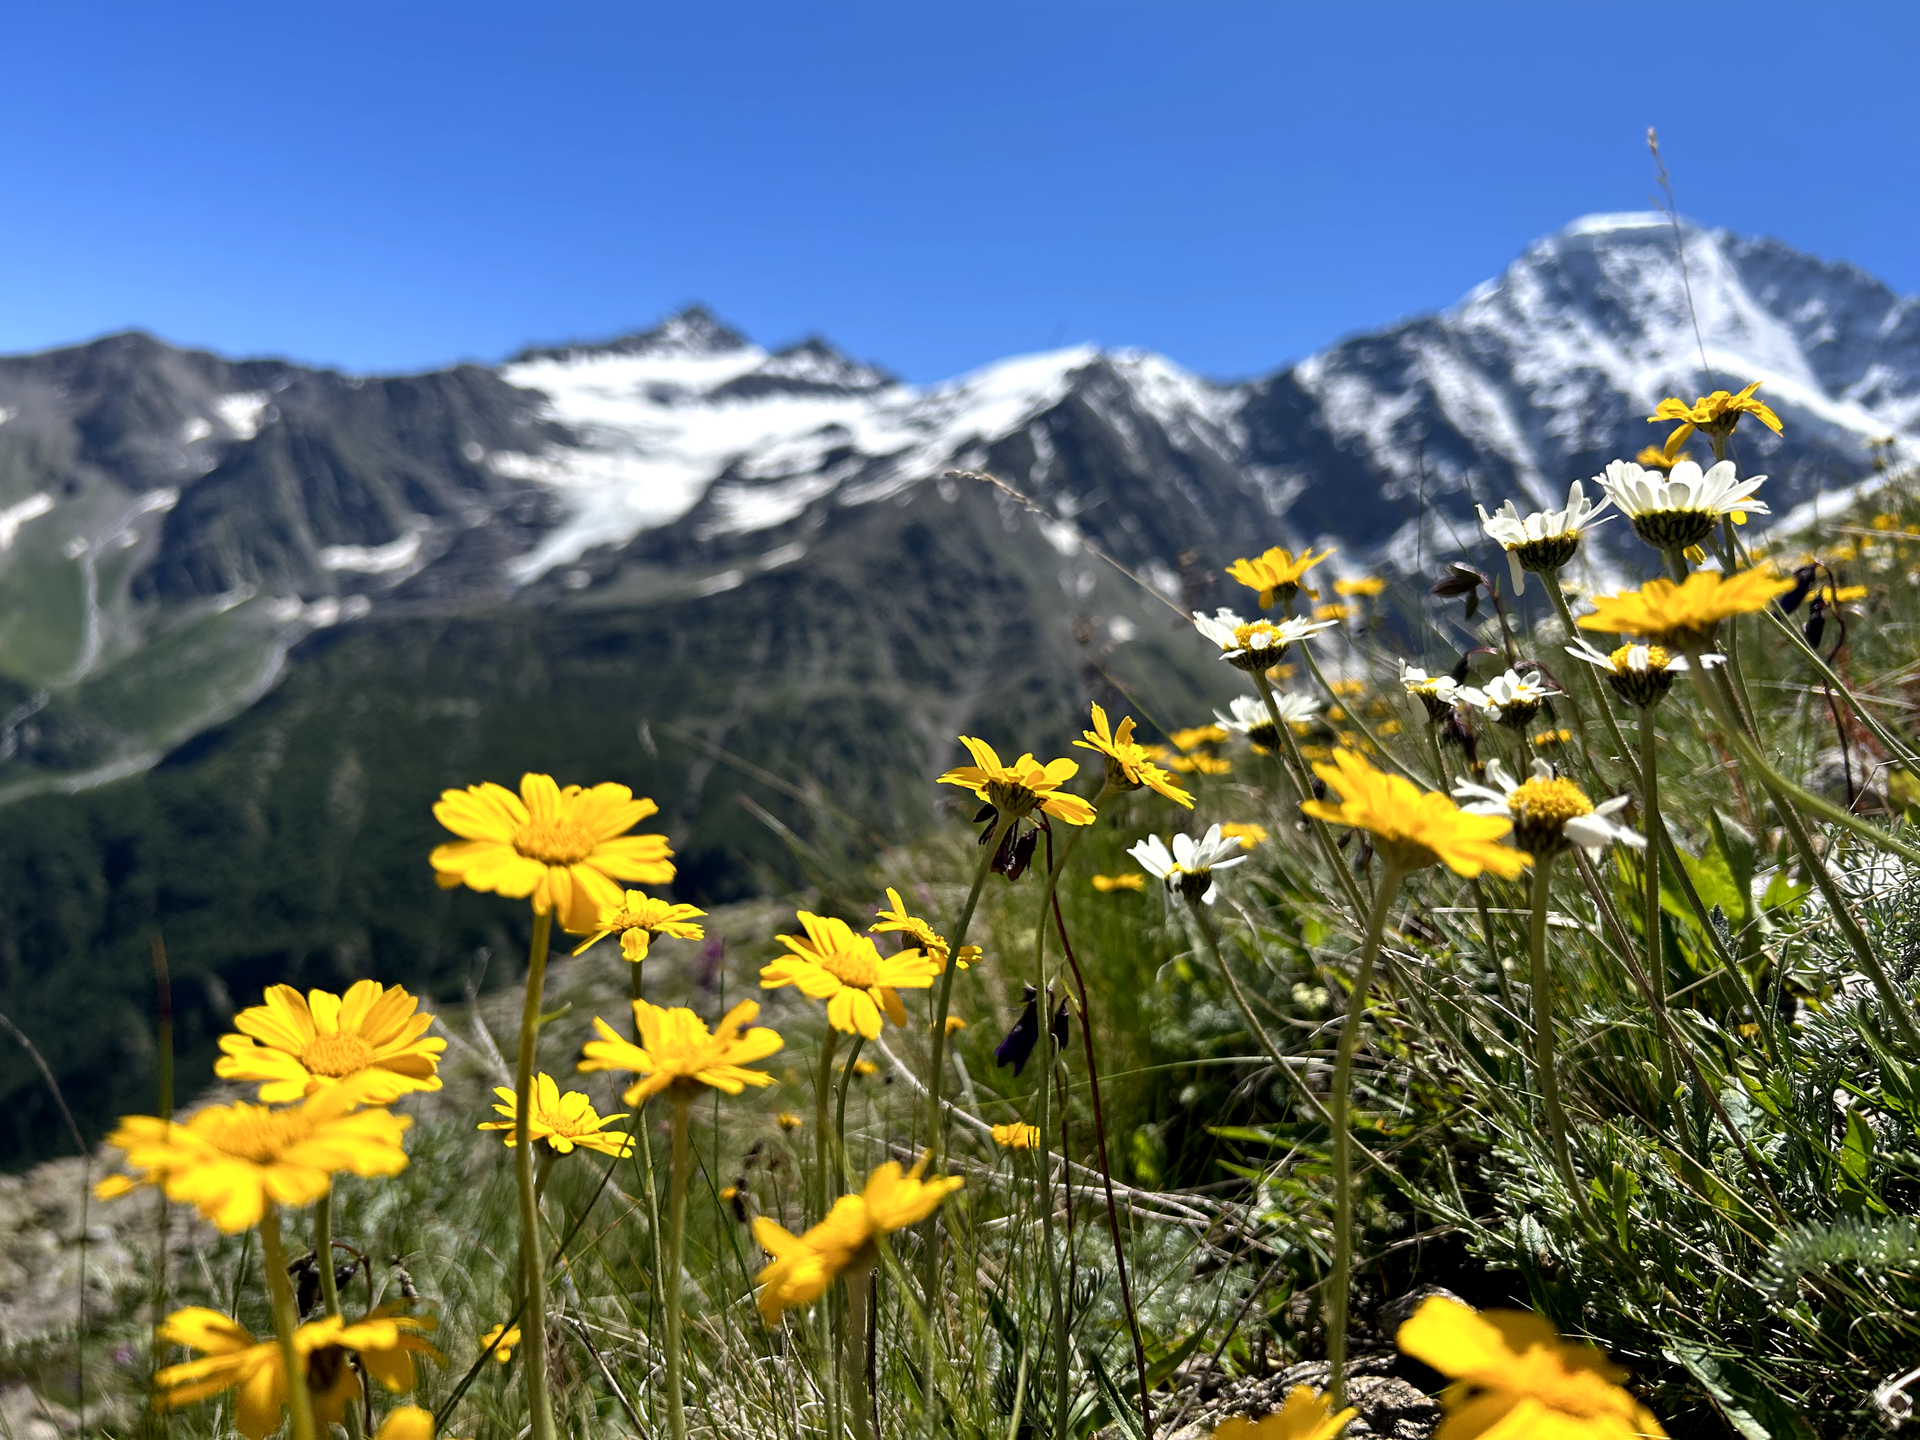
[(1245, 635), (1549, 802), (1657, 657), (857, 968), (569, 1128), (336, 1055), (261, 1135), (553, 842)]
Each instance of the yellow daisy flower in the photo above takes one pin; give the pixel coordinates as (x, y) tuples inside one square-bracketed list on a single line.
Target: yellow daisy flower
[(1362, 585), (1017, 1137), (1195, 736), (386, 1343), (230, 1161), (1108, 884), (406, 1422), (803, 1266), (1247, 833), (1018, 789), (567, 849), (833, 962), (509, 1338), (1413, 828), (896, 919), (1684, 616), (1513, 1375), (1306, 1415), (563, 1122), (638, 920), (1128, 765), (1657, 457), (1276, 574), (865, 1068), (955, 1023), (1716, 414), (297, 1044), (680, 1053), (789, 1120)]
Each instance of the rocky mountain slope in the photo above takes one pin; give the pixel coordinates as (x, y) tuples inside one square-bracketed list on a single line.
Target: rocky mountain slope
[(253, 616)]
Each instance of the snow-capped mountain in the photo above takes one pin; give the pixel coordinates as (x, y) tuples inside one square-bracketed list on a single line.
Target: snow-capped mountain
[(172, 516), (281, 608)]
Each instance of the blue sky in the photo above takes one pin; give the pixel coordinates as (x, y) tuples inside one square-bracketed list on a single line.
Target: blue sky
[(931, 185)]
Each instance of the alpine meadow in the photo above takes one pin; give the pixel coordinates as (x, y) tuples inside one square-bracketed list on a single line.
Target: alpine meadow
[(668, 889)]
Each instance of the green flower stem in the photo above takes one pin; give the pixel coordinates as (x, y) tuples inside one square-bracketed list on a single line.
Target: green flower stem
[(329, 1291), (823, 1187), (1656, 960), (285, 1322), (1358, 724), (323, 1254), (943, 996), (679, 1172), (1043, 1173), (1785, 793), (1303, 783), (1543, 1058), (936, 1117), (1479, 890), (1623, 753), (1106, 1175), (533, 1270), (644, 1161), (1339, 1112), (840, 1116), (853, 1350)]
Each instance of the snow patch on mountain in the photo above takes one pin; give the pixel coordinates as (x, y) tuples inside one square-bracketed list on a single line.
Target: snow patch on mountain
[(660, 431), (242, 413)]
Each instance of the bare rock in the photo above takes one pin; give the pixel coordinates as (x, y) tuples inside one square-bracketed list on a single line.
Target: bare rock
[(1388, 1406)]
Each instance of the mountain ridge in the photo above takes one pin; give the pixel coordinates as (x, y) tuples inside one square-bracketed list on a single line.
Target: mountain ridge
[(254, 616)]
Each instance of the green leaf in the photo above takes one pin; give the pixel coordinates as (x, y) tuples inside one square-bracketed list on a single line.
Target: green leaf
[(1124, 1415), (1713, 881), (1783, 895), (1160, 1369), (1748, 1404), (1856, 1152), (1738, 850)]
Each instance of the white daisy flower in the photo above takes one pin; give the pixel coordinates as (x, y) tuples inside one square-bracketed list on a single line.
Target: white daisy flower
[(1250, 717), (1255, 645), (1188, 867), (1682, 507), (1439, 693), (1641, 675), (1545, 540), (1511, 699), (1548, 814)]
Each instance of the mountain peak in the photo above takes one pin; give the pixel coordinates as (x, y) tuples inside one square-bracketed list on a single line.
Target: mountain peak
[(1615, 222), (694, 330)]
